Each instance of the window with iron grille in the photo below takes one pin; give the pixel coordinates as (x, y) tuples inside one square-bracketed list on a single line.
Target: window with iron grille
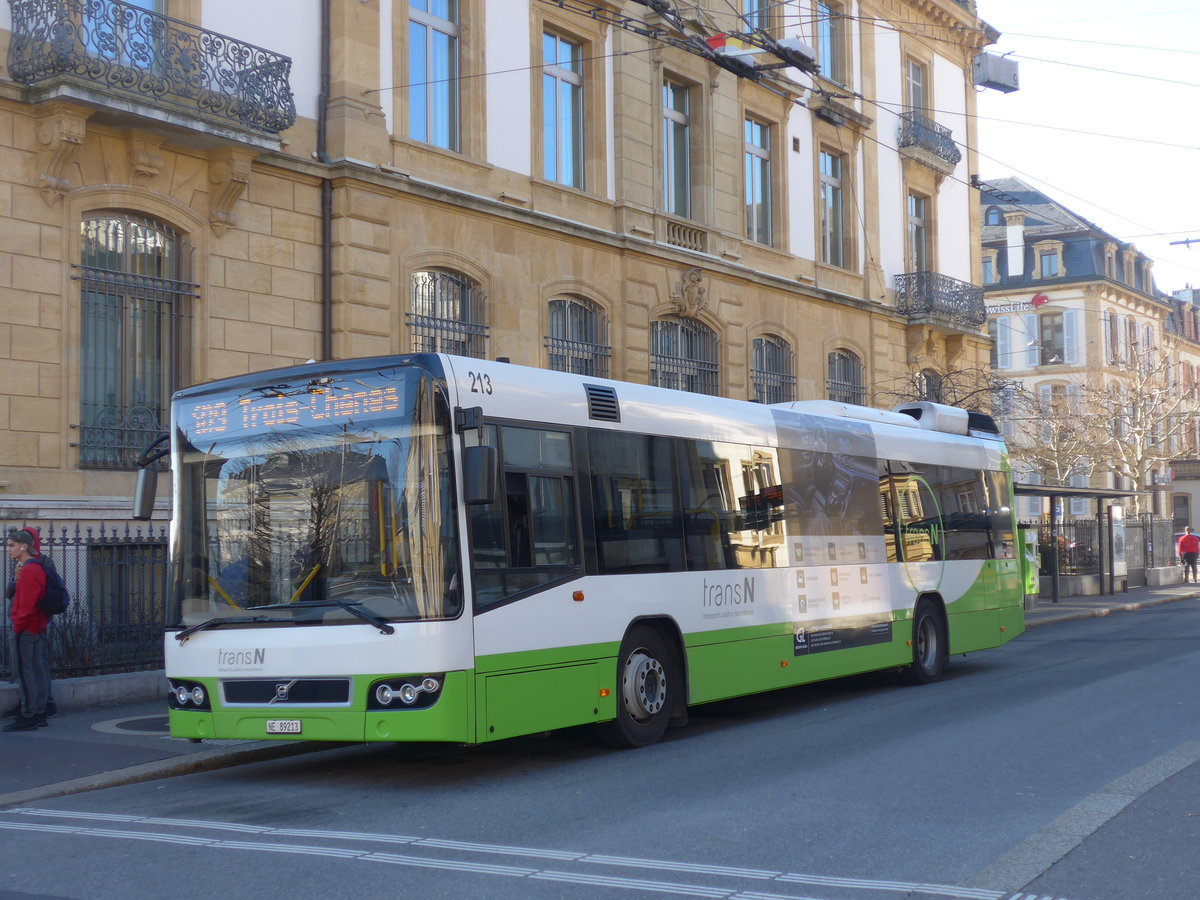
[(448, 314), (684, 355), (578, 338), (136, 297), (847, 378), (931, 386), (773, 372)]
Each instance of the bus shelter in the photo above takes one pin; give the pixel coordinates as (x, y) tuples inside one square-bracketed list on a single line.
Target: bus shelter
[(1104, 526)]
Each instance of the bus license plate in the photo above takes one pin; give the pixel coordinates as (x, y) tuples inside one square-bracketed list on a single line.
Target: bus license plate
[(283, 726)]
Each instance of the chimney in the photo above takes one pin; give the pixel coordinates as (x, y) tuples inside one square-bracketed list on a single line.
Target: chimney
[(1015, 233)]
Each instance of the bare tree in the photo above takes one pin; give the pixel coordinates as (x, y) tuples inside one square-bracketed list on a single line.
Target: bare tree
[(1146, 412), (1054, 433), (978, 389), (1127, 420)]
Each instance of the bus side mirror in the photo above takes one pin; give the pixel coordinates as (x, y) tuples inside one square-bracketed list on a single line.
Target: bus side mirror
[(144, 493), (479, 475)]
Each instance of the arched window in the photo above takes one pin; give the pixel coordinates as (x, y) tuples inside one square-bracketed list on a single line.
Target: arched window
[(846, 381), (684, 355), (135, 277), (773, 370), (994, 216), (578, 338), (930, 384), (447, 314)]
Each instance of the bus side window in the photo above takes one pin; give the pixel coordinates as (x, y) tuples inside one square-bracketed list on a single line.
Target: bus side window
[(527, 537), (636, 511)]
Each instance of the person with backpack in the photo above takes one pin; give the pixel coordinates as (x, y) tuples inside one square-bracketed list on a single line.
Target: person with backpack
[(14, 711), (28, 631)]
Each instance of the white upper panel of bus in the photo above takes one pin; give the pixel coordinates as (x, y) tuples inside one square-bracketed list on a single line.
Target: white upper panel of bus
[(523, 394)]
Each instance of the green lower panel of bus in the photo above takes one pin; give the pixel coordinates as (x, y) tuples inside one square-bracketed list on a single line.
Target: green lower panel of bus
[(526, 702), (449, 719), (721, 671)]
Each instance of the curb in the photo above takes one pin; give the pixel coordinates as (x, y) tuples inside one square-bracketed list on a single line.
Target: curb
[(1099, 611), (201, 761)]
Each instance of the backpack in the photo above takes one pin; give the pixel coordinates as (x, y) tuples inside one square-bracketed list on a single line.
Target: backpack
[(54, 598)]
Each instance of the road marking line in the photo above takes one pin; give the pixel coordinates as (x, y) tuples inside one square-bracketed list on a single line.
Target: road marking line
[(1038, 853), (903, 887), (636, 884)]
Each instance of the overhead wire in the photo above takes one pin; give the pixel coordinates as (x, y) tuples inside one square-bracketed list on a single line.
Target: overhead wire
[(655, 33)]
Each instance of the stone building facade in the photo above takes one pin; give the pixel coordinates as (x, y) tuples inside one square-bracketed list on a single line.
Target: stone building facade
[(758, 200), (1071, 307)]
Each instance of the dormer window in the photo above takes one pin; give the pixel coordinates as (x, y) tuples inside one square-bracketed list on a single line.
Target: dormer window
[(1048, 259)]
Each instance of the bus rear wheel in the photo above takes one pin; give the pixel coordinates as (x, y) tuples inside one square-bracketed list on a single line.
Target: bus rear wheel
[(930, 645), (646, 678)]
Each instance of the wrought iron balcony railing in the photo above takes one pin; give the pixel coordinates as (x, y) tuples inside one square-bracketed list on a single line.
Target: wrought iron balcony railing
[(940, 296), (136, 53), (920, 131)]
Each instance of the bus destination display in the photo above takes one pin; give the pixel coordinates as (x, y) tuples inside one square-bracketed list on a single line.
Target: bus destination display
[(311, 407)]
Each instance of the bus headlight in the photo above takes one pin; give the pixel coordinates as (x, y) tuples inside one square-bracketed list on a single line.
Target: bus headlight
[(187, 695), (413, 691)]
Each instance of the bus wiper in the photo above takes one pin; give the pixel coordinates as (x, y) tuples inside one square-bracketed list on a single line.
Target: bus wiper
[(217, 622), (354, 607)]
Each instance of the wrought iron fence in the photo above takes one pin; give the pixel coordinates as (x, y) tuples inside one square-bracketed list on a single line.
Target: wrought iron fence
[(1149, 543), (133, 51), (935, 294), (117, 578)]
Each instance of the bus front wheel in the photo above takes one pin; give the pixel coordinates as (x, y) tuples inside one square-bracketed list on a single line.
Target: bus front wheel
[(930, 645), (646, 677)]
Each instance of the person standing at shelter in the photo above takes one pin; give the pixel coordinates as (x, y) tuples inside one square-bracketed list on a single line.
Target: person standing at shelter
[(1189, 551), (28, 632)]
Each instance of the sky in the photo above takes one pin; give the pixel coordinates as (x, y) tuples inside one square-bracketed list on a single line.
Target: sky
[(1107, 118)]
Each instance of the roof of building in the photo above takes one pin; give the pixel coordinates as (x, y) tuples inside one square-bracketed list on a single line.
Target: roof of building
[(1044, 216)]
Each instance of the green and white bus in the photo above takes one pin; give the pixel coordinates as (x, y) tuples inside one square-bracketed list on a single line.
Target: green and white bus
[(433, 548)]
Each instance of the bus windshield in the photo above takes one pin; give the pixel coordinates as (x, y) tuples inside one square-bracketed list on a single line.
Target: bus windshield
[(324, 505)]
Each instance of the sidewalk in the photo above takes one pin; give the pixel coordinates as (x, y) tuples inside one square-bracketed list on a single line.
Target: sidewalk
[(1070, 608), (112, 730)]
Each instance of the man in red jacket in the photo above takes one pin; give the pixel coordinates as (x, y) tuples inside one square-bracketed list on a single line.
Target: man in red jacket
[(28, 632), (1189, 551)]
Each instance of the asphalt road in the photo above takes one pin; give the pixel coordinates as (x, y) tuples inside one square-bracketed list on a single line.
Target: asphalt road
[(1060, 766)]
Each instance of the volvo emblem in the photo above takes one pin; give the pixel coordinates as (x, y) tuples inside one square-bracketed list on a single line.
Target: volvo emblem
[(281, 691)]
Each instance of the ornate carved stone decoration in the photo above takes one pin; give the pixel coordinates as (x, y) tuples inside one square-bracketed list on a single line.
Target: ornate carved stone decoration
[(61, 132), (229, 175), (144, 157), (690, 295)]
